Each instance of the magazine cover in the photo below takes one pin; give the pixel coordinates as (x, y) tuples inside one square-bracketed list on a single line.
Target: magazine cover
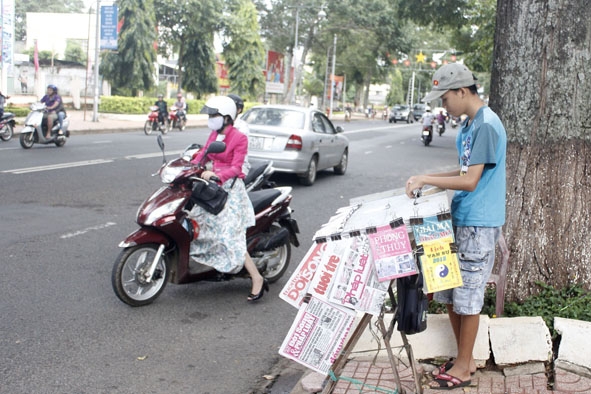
[(432, 227), (318, 334), (440, 266), (392, 252)]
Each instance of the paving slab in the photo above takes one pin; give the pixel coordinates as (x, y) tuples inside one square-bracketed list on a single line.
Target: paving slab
[(436, 342), (519, 340), (574, 352)]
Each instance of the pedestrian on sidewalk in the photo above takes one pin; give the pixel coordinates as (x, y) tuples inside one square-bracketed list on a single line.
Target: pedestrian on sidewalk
[(477, 209), (23, 79)]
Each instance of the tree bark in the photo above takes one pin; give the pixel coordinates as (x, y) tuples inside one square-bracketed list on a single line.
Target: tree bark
[(541, 89)]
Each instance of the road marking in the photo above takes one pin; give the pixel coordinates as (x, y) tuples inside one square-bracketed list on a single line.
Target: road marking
[(57, 166), (87, 229)]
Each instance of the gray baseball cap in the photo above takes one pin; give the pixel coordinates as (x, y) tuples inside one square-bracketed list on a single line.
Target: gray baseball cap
[(450, 76)]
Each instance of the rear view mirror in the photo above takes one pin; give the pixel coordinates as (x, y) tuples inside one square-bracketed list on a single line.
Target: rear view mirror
[(340, 129)]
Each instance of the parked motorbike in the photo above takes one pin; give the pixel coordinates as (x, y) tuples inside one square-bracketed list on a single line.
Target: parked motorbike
[(427, 135), (35, 129), (258, 177), (177, 119), (152, 123), (7, 124), (158, 252)]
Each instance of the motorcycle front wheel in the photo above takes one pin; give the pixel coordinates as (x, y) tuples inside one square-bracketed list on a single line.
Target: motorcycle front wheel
[(128, 280), (182, 124), (27, 140), (6, 132), (276, 260)]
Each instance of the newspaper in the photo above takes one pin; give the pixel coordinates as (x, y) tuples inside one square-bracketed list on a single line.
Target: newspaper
[(297, 286), (317, 334), (346, 276)]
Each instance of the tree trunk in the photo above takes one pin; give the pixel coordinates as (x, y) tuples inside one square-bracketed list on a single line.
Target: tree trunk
[(541, 89)]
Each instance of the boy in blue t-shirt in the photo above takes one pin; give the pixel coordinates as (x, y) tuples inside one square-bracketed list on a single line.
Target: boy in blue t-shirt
[(477, 209)]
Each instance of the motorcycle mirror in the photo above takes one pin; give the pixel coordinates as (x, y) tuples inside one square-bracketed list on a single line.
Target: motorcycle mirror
[(216, 147), (161, 145)]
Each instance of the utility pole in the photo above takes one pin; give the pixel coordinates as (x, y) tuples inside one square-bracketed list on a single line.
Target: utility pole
[(96, 65)]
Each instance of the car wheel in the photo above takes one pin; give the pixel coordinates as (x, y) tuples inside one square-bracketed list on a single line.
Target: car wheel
[(341, 168), (309, 177)]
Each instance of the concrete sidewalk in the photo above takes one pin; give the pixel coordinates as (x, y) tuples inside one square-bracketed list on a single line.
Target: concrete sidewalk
[(514, 355)]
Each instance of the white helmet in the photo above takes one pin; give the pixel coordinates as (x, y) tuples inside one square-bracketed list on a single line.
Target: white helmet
[(222, 105)]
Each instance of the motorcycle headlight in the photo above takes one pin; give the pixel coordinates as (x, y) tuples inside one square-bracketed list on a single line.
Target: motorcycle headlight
[(166, 209), (169, 174)]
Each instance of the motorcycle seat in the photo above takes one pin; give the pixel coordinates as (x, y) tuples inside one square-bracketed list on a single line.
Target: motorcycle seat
[(261, 199), (254, 172)]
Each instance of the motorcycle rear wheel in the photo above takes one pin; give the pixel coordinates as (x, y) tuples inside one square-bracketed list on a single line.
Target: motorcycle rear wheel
[(6, 132), (277, 260), (127, 276)]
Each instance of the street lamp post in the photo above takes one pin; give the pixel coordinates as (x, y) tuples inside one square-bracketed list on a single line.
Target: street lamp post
[(332, 80), (297, 63)]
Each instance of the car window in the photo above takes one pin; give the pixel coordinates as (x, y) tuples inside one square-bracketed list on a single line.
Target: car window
[(328, 126), (274, 117), (318, 124)]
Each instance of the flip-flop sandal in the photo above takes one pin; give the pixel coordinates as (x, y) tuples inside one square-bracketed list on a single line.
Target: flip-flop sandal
[(443, 368), (443, 380)]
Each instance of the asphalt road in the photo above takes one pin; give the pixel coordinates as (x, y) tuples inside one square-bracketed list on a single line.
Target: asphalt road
[(63, 213)]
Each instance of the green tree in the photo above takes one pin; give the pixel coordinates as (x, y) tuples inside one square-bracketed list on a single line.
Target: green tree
[(74, 52), (189, 24), (397, 93), (243, 49), (132, 66), (23, 6)]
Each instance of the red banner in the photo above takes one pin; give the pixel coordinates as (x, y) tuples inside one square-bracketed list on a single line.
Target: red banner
[(275, 72)]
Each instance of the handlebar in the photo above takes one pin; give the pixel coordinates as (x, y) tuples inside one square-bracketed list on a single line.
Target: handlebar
[(214, 178)]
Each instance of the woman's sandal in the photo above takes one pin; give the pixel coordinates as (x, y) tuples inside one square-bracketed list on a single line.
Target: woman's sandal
[(444, 379)]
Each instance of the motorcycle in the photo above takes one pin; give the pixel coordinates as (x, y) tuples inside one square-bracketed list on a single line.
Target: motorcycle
[(152, 123), (177, 119), (258, 177), (427, 134), (440, 128), (7, 124), (158, 252), (35, 129), (347, 115)]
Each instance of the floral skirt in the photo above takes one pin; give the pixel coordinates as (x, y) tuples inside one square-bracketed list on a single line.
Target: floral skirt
[(222, 238)]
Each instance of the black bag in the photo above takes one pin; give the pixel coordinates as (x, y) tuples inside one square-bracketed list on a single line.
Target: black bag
[(209, 196), (413, 304)]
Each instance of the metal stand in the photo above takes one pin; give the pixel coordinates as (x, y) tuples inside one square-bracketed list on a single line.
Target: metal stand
[(341, 361)]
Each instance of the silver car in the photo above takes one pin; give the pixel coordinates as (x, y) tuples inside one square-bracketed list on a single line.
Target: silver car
[(298, 140)]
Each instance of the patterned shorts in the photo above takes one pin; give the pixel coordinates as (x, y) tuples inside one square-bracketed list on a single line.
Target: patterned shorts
[(476, 255)]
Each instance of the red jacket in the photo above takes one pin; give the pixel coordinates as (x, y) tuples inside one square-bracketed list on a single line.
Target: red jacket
[(227, 164)]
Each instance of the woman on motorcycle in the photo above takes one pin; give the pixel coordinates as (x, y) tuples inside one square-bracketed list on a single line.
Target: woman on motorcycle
[(54, 109), (222, 237)]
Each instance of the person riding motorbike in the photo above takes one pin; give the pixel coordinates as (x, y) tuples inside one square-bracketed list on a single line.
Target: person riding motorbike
[(427, 119), (162, 109), (181, 106), (441, 120), (222, 237), (3, 99), (54, 109)]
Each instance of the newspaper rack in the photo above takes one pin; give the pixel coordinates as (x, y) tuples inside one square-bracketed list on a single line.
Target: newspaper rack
[(340, 277), (386, 330)]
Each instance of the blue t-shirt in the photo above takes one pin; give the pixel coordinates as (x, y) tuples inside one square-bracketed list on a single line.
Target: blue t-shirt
[(484, 141)]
